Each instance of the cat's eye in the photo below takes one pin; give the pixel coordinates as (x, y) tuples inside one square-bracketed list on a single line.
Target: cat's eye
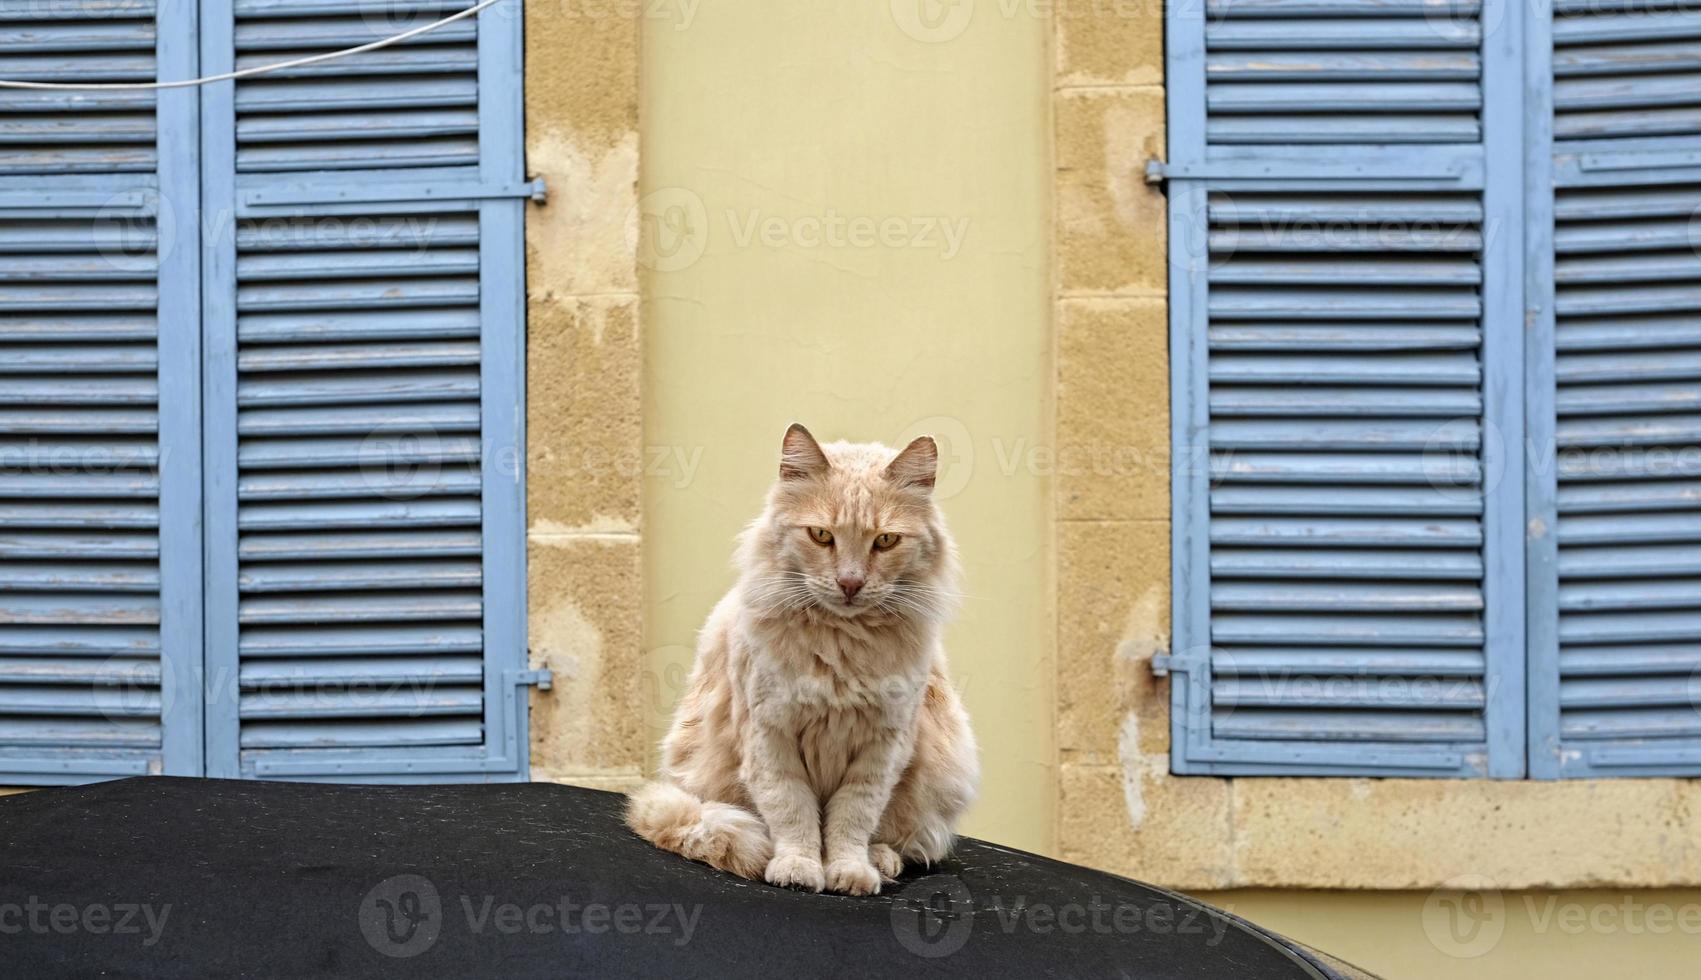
[(884, 541), (821, 535)]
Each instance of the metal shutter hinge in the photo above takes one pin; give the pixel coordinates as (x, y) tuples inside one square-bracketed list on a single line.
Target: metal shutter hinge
[(440, 190), (1158, 171), (1641, 160), (1163, 664), (540, 678), (139, 200)]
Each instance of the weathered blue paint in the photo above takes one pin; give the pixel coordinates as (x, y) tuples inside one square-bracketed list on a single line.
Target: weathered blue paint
[(103, 194), (503, 385), (1190, 714), (62, 133), (218, 387), (372, 619), (99, 521), (1340, 168), (1502, 453), (180, 393), (362, 112), (401, 191), (1541, 555), (1311, 523), (1615, 618), (69, 766), (1315, 378)]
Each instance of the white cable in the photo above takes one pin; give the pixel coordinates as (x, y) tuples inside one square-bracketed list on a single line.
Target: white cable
[(257, 69)]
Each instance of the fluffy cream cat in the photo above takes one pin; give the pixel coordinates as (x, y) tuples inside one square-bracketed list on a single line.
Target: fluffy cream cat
[(820, 743)]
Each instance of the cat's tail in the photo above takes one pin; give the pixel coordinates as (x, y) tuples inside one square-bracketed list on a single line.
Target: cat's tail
[(718, 834)]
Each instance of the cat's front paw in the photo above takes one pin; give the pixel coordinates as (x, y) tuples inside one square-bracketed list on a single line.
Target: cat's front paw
[(849, 876), (886, 861), (795, 871)]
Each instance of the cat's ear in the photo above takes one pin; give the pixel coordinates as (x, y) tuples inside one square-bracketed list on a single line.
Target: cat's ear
[(916, 465), (800, 455)]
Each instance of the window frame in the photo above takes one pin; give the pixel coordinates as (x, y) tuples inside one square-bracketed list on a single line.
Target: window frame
[(192, 191), (1495, 168)]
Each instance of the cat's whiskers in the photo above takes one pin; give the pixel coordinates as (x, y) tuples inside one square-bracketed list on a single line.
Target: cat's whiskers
[(921, 600), (781, 592)]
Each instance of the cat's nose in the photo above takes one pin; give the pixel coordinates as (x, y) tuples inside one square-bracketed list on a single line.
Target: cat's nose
[(850, 585)]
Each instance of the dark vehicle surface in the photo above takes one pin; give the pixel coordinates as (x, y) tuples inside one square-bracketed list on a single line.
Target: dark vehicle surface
[(172, 877)]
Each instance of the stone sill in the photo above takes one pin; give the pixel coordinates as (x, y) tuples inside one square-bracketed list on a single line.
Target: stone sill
[(1391, 834)]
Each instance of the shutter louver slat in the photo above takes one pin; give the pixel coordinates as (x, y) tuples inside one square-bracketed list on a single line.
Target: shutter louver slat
[(1309, 589), (1618, 602), (1314, 562), (372, 450), (370, 611), (1625, 77), (354, 545), (409, 106), (1342, 390), (375, 735), (1627, 596), (58, 133), (1341, 72), (81, 685), (312, 485), (1347, 726)]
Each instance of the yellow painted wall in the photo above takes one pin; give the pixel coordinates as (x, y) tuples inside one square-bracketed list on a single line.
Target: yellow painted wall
[(1554, 935), (770, 131), (801, 164)]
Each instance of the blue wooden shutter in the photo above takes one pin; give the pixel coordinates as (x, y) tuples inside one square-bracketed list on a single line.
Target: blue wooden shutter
[(1615, 391), (1345, 350), (99, 400), (366, 585)]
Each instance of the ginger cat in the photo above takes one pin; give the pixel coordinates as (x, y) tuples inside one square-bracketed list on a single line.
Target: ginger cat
[(820, 743)]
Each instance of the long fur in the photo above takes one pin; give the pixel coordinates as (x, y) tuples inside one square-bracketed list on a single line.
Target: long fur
[(717, 834), (820, 742)]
